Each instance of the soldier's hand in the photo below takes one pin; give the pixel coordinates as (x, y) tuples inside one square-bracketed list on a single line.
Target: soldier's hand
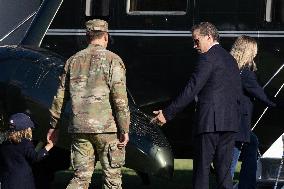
[(123, 140), (159, 119)]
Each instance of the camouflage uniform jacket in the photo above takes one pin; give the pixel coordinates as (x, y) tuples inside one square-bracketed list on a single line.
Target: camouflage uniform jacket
[(94, 80)]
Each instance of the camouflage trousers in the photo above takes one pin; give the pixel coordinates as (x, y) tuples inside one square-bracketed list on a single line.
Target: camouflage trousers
[(3, 137), (83, 160)]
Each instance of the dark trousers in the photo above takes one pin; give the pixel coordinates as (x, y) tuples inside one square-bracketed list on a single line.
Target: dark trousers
[(217, 148), (247, 178)]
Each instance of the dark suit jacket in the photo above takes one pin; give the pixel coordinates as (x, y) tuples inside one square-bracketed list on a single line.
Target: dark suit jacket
[(216, 82), (15, 159), (251, 90)]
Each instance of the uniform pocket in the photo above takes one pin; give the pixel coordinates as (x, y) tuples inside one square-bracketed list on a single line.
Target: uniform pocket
[(116, 156)]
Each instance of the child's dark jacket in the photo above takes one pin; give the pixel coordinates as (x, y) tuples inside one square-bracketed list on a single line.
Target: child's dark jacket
[(15, 169)]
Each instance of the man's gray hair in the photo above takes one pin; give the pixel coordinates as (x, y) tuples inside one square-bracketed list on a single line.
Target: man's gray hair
[(207, 28)]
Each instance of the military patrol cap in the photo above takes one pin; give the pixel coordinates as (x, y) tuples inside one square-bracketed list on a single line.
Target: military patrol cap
[(97, 25)]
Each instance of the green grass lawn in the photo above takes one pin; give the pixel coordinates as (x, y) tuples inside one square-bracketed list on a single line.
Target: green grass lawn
[(181, 179)]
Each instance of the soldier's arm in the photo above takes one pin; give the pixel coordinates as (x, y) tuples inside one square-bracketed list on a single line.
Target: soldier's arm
[(61, 96), (119, 94)]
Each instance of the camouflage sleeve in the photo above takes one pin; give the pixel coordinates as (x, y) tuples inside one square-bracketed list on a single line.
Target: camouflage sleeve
[(119, 94), (60, 99), (3, 136)]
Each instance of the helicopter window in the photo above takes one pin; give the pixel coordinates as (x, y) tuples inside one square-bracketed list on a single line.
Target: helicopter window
[(230, 15), (97, 8), (275, 11), (157, 7)]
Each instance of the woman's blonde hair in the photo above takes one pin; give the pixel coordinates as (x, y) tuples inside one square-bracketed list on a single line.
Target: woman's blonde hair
[(244, 51), (17, 136)]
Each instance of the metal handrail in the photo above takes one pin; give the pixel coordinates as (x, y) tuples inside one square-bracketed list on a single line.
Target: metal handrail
[(268, 82), (18, 26)]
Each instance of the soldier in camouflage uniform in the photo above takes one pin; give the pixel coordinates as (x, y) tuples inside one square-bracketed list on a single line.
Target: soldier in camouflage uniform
[(94, 81)]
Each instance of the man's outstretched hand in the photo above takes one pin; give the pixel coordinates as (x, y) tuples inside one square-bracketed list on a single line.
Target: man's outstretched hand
[(159, 118)]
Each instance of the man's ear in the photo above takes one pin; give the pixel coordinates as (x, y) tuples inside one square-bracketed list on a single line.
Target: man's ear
[(210, 38), (106, 37)]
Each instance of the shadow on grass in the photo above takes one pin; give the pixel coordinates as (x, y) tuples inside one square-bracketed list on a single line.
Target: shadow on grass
[(180, 180)]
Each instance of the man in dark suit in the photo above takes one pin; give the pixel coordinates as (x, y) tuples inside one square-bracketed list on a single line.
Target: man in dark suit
[(216, 83)]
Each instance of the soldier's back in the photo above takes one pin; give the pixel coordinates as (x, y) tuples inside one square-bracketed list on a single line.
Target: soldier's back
[(90, 78)]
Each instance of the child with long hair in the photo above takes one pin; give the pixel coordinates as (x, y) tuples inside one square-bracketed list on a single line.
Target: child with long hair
[(17, 152)]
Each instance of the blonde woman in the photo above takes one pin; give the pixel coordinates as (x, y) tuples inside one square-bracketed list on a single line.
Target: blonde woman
[(17, 152), (244, 51)]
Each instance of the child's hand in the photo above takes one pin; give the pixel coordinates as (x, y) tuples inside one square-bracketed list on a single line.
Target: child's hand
[(52, 135), (48, 146)]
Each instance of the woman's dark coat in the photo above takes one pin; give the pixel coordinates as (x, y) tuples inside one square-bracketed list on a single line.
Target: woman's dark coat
[(252, 90)]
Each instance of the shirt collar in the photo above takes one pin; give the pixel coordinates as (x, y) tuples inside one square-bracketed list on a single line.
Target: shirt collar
[(215, 43)]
